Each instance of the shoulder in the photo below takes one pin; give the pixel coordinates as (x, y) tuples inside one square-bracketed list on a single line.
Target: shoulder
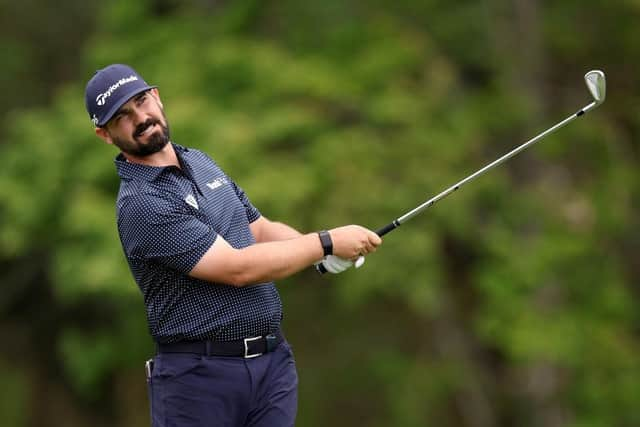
[(195, 155), (130, 188), (146, 201)]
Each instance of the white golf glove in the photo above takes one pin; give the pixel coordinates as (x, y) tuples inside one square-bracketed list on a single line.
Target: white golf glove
[(335, 265)]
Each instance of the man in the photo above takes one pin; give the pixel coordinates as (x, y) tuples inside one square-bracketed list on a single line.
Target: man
[(205, 260)]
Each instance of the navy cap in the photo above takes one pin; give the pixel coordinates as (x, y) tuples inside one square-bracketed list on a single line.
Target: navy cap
[(109, 89)]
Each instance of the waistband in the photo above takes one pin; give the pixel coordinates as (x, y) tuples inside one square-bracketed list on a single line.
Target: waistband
[(247, 347)]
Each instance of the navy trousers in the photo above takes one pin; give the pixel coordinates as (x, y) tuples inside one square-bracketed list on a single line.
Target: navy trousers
[(190, 390)]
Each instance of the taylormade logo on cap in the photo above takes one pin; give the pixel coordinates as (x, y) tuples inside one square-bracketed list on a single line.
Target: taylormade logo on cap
[(101, 99), (109, 89)]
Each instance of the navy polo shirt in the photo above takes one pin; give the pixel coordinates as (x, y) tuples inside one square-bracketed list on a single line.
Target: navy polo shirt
[(168, 217)]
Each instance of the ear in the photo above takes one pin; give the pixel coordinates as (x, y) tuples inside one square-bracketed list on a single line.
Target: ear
[(104, 135), (156, 94)]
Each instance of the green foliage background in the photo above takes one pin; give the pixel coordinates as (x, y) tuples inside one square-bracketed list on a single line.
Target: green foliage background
[(512, 303)]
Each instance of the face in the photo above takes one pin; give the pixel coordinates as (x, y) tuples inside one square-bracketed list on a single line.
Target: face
[(139, 128)]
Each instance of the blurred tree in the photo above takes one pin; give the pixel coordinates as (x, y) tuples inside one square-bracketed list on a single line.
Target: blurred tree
[(510, 304), (41, 44)]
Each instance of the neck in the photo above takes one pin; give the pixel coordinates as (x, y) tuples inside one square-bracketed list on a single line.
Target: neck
[(165, 157)]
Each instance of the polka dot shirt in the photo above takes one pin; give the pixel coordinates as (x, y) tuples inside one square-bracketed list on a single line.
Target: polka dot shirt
[(168, 217)]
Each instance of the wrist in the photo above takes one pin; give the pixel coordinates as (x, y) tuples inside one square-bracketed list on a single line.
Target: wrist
[(326, 242)]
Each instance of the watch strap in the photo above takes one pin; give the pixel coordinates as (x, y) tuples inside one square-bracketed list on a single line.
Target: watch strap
[(327, 243)]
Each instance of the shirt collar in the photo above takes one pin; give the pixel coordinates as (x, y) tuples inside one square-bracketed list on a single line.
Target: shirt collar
[(136, 171)]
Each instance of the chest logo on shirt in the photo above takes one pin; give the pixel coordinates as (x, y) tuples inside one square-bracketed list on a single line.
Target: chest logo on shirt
[(218, 182), (191, 201)]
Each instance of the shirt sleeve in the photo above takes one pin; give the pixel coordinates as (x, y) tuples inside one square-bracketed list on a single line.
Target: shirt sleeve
[(252, 212), (158, 230)]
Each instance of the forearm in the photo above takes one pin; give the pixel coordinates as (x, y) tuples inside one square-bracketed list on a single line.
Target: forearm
[(266, 262), (269, 261), (265, 230), (281, 231), (258, 263)]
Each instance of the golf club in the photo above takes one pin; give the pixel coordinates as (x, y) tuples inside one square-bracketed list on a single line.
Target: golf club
[(597, 86)]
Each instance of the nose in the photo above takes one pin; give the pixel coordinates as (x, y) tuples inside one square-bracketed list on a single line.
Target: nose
[(139, 116)]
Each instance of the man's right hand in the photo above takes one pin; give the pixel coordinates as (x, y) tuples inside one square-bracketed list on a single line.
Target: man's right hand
[(353, 241)]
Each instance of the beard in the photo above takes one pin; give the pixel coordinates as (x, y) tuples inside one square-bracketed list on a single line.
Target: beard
[(155, 142)]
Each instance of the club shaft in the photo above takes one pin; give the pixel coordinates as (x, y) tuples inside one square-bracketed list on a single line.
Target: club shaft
[(419, 209)]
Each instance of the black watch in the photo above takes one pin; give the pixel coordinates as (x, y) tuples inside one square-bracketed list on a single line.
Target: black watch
[(327, 244)]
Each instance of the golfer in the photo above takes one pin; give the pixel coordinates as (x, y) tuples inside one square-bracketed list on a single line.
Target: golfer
[(205, 260)]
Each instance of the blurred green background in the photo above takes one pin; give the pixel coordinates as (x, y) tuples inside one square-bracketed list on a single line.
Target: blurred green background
[(512, 303)]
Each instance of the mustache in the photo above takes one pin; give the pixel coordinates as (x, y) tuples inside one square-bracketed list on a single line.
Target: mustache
[(143, 126)]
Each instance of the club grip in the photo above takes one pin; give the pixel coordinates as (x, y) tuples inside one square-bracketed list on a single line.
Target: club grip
[(387, 228)]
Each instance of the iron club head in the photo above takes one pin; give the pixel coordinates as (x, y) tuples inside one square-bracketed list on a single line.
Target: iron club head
[(597, 85)]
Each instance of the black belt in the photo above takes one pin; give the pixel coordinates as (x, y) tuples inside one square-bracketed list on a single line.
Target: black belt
[(247, 348)]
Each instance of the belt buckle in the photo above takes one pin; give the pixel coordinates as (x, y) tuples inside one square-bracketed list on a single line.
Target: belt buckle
[(246, 348)]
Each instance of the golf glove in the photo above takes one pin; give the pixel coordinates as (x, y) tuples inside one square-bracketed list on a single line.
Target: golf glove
[(335, 265)]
